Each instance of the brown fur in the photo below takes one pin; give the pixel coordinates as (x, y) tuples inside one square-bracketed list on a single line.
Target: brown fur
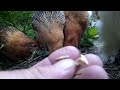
[(76, 23), (16, 44), (49, 29), (53, 39)]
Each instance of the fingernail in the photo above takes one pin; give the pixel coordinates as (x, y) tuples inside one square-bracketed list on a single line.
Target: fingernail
[(76, 77), (77, 74), (65, 64)]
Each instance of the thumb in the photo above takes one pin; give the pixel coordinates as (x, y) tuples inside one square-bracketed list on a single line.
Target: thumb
[(63, 69)]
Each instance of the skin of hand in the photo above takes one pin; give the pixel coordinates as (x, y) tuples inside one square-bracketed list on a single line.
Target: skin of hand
[(50, 68)]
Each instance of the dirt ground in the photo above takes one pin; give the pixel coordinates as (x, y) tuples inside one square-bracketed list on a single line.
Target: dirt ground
[(113, 69)]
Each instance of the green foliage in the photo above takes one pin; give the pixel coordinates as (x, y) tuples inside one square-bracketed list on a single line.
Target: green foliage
[(91, 32), (88, 37), (19, 19)]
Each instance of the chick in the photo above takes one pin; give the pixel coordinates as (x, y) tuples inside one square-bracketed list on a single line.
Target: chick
[(48, 26), (15, 44), (75, 25)]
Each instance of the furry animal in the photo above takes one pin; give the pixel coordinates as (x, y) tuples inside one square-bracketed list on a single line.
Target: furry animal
[(16, 45), (75, 25), (48, 26)]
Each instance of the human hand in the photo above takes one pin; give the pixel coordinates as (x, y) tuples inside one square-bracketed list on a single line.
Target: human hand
[(51, 68)]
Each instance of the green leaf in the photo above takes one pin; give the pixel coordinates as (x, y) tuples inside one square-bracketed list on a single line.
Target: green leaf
[(22, 20), (91, 32), (86, 42)]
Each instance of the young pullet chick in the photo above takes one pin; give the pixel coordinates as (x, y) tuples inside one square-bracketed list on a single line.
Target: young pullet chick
[(75, 25), (48, 26), (16, 45)]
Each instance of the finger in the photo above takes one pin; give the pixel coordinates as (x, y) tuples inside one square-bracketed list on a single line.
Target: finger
[(71, 51), (91, 72), (63, 69), (92, 60)]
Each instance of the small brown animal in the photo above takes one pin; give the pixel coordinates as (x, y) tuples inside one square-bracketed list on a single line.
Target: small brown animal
[(48, 26), (16, 45), (75, 25)]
